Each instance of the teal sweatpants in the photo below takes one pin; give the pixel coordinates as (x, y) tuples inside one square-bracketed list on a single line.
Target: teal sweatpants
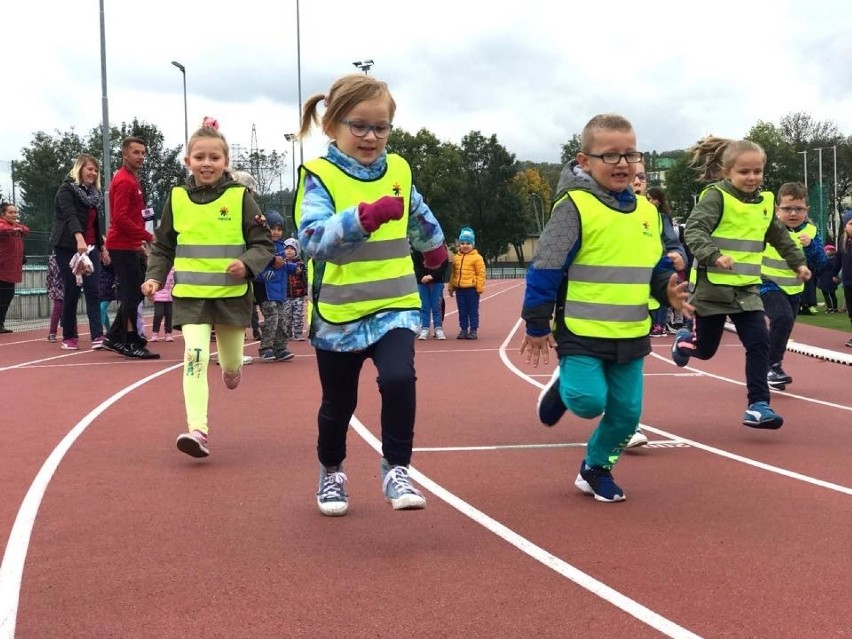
[(590, 387)]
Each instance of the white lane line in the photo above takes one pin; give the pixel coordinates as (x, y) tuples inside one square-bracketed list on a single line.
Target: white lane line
[(12, 568), (462, 449), (710, 449), (561, 567), (812, 400)]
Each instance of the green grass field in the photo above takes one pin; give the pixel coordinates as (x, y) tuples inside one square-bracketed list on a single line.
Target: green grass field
[(838, 321)]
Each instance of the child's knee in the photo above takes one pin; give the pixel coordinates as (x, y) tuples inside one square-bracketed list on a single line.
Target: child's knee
[(586, 406)]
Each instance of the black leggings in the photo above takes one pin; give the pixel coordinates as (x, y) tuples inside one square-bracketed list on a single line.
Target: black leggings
[(393, 356), (163, 310), (7, 292), (752, 331), (781, 309), (129, 267)]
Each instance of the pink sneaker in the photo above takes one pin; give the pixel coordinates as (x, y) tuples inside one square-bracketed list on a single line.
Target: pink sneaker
[(155, 337), (97, 343), (70, 344), (232, 380), (193, 444), (169, 337)]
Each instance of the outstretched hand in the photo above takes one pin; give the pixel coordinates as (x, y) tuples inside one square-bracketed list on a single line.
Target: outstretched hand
[(535, 346), (678, 294)]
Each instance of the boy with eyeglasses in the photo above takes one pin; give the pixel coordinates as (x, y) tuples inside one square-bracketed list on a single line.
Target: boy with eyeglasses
[(780, 290), (598, 261)]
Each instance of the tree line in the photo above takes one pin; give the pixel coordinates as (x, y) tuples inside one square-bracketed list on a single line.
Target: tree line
[(476, 183)]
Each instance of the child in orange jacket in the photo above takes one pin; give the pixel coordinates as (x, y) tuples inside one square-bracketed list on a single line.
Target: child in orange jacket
[(469, 280)]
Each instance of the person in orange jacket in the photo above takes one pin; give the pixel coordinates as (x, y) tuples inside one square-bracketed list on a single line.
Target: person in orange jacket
[(469, 280)]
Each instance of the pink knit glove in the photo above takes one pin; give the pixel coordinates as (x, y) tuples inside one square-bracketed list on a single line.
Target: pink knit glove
[(435, 258), (385, 209)]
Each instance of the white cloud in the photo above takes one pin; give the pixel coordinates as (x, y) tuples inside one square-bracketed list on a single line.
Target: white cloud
[(532, 72)]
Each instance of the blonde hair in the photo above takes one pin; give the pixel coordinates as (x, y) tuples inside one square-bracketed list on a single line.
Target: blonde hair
[(79, 164), (603, 122), (344, 95), (712, 155), (208, 132)]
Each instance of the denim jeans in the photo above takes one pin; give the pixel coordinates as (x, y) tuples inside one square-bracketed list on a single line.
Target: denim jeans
[(430, 304)]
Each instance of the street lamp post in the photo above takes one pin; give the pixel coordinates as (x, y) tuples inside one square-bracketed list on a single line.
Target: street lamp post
[(804, 155), (182, 70), (291, 138), (364, 65), (106, 169), (299, 77)]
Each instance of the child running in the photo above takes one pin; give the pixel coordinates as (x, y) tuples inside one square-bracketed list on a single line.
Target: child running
[(357, 210), (209, 233), (599, 259), (726, 234), (781, 290)]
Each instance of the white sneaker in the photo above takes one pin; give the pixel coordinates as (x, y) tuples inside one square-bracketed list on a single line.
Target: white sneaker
[(439, 333), (423, 334), (639, 439)]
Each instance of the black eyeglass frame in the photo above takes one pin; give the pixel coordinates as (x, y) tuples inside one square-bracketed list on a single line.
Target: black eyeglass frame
[(367, 128), (635, 157)]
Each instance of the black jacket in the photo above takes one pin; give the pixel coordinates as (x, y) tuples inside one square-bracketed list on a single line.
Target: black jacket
[(71, 216), (438, 275)]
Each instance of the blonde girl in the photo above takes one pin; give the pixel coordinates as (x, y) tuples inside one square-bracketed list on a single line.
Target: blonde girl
[(211, 233)]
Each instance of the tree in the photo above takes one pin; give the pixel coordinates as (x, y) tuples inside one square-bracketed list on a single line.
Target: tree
[(45, 165), (682, 187), (781, 157), (265, 168), (570, 149), (493, 206), (436, 169)]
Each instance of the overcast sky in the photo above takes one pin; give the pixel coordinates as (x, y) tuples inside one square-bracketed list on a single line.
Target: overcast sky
[(531, 72)]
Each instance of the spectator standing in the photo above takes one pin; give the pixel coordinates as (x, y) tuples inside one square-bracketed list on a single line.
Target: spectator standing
[(126, 240), (55, 293), (12, 258), (828, 281), (76, 227), (430, 285), (163, 309), (467, 283)]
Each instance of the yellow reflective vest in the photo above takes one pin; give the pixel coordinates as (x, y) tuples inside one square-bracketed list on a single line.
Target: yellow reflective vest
[(741, 235), (379, 275), (775, 269), (209, 237), (609, 278)]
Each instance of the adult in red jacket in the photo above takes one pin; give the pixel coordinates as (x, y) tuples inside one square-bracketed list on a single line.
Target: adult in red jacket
[(12, 235), (127, 240)]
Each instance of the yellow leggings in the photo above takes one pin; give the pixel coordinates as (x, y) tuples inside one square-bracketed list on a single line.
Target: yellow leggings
[(196, 337)]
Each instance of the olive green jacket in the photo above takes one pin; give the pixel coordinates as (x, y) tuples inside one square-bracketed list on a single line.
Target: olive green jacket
[(233, 311), (714, 299)]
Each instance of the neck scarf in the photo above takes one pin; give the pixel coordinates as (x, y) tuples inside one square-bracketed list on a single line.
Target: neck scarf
[(89, 196)]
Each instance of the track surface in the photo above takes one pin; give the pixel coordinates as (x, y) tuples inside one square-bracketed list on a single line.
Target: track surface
[(108, 531)]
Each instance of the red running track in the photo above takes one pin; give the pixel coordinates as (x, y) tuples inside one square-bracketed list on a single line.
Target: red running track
[(726, 532)]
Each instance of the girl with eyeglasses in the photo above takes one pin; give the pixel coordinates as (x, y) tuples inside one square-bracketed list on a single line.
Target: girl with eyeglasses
[(357, 212), (726, 233)]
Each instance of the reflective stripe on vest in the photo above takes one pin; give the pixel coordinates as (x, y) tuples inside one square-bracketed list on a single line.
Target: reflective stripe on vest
[(609, 279), (740, 235), (209, 237), (775, 269), (379, 275)]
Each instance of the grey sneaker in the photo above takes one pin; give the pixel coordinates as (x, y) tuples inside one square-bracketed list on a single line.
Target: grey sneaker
[(423, 333), (331, 494), (398, 490)]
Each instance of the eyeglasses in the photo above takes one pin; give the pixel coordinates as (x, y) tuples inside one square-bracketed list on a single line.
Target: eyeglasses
[(360, 129), (793, 209), (631, 157), (640, 176)]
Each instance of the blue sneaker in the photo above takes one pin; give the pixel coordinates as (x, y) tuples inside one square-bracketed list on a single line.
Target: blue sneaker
[(760, 415), (550, 407), (397, 488), (332, 499), (682, 347), (597, 481)]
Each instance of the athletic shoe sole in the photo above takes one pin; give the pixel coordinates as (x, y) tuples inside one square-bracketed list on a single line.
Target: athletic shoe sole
[(585, 487), (188, 444)]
